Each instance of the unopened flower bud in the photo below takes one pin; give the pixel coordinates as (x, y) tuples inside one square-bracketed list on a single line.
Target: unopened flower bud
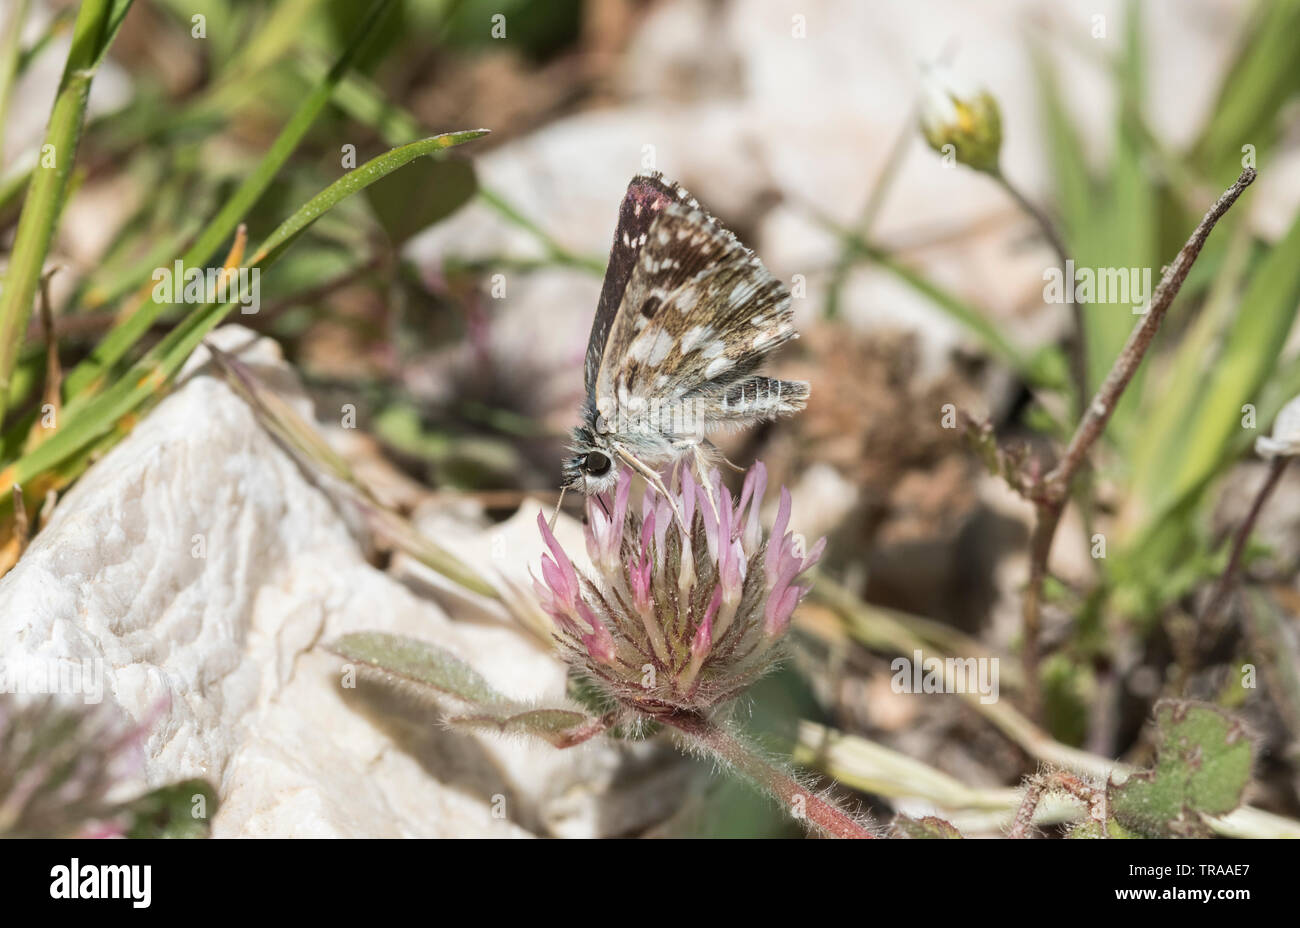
[(961, 114), (1285, 440)]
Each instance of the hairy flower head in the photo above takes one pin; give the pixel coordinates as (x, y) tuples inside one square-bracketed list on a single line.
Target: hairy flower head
[(673, 620)]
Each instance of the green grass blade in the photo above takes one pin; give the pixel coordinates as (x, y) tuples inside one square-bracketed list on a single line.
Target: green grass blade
[(86, 421), (1249, 359), (1161, 443), (10, 46), (122, 337), (1071, 183), (96, 25), (556, 252), (1261, 80), (970, 317), (353, 181)]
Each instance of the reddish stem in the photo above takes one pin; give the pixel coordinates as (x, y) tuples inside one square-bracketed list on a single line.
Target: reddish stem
[(1209, 618), (818, 813)]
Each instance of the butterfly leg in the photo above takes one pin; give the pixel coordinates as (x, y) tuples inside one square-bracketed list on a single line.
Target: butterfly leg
[(699, 463), (716, 452), (652, 478)]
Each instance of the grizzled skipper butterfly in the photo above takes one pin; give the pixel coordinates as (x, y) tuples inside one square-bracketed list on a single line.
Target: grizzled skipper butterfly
[(687, 314)]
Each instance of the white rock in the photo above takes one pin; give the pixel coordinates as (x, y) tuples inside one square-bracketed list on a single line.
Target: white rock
[(223, 648)]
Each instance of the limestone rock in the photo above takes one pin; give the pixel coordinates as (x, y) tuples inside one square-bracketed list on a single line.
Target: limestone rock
[(202, 566)]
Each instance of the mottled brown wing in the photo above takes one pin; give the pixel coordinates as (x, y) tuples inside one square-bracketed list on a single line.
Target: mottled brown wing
[(646, 197), (699, 316)]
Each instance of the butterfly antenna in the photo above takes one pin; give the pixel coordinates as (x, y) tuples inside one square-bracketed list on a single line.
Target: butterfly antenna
[(558, 503)]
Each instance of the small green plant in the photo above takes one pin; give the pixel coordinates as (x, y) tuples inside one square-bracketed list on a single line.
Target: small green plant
[(1202, 767)]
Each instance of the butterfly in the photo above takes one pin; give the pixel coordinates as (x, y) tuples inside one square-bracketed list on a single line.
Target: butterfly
[(686, 316)]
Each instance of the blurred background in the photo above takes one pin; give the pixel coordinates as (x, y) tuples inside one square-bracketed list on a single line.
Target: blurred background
[(450, 304)]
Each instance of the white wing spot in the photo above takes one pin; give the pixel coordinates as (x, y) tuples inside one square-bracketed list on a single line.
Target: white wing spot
[(693, 337), (716, 367), (663, 344)]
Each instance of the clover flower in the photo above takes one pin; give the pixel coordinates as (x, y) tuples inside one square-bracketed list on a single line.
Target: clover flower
[(686, 603), (671, 620)]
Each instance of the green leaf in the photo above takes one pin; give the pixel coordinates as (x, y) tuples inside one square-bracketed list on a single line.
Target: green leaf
[(418, 662), (1091, 829), (181, 810), (427, 665), (562, 728), (430, 190), (1203, 763)]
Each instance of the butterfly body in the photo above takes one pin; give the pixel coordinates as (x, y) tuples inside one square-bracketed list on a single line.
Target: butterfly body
[(687, 315)]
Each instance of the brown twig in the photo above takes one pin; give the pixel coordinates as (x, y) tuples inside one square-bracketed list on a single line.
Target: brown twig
[(22, 528), (53, 370), (1051, 493), (1209, 617), (1078, 353)]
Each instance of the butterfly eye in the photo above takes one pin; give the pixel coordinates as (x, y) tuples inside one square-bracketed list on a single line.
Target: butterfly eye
[(595, 463)]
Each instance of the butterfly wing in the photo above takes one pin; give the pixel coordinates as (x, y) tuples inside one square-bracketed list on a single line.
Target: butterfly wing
[(698, 317), (646, 197)]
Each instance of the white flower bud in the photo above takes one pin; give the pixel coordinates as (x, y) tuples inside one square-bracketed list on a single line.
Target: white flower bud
[(1285, 440)]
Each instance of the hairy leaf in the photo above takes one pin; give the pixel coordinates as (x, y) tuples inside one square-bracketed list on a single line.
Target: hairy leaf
[(1203, 764), (418, 662)]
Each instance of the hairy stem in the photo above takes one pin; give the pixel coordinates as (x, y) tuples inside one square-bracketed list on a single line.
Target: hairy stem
[(815, 811), (1058, 781), (1052, 492)]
